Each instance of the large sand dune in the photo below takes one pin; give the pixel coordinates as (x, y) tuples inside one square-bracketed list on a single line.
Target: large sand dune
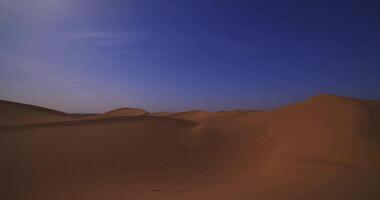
[(12, 113), (327, 147)]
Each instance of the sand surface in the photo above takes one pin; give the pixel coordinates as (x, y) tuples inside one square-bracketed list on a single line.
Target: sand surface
[(12, 113), (327, 147), (125, 112)]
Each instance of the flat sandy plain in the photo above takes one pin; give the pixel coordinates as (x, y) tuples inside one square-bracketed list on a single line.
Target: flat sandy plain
[(326, 147)]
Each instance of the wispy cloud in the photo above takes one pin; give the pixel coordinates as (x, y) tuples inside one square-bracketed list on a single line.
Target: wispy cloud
[(105, 37)]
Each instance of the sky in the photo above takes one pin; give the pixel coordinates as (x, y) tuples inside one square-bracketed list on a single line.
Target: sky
[(174, 55)]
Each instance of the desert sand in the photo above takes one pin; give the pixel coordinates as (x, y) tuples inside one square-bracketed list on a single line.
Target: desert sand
[(125, 112), (12, 113), (326, 147)]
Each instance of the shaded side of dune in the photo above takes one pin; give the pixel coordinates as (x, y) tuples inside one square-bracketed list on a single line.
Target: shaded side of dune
[(90, 121), (12, 113)]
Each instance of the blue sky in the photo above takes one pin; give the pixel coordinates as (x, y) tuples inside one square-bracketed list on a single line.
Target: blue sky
[(96, 55)]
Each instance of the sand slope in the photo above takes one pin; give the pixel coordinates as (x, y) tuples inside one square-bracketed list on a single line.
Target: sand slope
[(12, 113), (160, 114), (193, 115), (205, 116), (120, 112), (324, 148)]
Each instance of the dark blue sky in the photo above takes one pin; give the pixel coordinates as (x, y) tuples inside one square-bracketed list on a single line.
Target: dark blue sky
[(96, 55)]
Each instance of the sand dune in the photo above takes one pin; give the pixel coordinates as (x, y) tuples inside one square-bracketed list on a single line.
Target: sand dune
[(12, 113), (161, 114), (212, 117), (121, 112), (193, 115), (326, 147)]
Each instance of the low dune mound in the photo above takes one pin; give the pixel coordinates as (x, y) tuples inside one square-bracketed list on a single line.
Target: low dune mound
[(83, 115), (161, 114), (195, 115), (12, 113), (131, 112), (322, 148), (235, 113), (206, 117)]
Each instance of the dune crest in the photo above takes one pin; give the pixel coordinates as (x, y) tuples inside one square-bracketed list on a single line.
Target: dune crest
[(131, 112)]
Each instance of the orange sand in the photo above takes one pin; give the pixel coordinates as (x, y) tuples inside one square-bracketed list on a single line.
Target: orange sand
[(327, 147)]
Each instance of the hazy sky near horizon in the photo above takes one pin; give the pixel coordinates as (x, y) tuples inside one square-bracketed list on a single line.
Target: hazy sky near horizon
[(96, 55)]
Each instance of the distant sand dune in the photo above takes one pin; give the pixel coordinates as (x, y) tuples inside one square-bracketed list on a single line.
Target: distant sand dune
[(160, 114), (326, 147), (120, 112), (193, 115)]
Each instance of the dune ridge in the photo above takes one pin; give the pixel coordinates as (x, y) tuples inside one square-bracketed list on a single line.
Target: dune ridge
[(125, 112)]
